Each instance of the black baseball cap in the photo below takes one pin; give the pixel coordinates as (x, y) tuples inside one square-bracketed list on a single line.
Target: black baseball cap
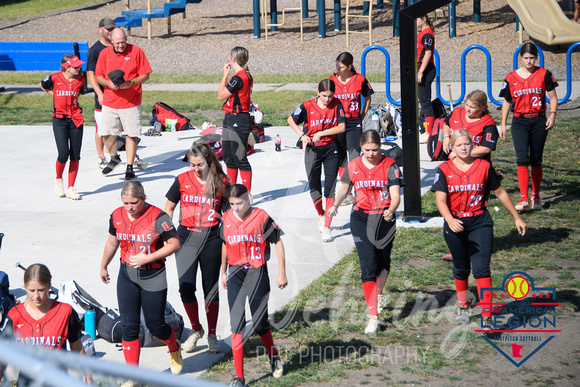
[(107, 23)]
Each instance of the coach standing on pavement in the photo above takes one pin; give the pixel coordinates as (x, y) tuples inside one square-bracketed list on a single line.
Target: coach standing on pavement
[(122, 96), (106, 26)]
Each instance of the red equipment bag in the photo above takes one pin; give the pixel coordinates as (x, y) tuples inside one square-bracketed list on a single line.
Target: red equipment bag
[(435, 141), (161, 111)]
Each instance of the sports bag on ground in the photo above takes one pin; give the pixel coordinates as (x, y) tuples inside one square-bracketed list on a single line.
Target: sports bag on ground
[(71, 293), (7, 300), (435, 141), (172, 318), (162, 111), (109, 327)]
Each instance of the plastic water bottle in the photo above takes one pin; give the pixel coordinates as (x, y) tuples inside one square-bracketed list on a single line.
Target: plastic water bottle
[(278, 143), (375, 125), (90, 323)]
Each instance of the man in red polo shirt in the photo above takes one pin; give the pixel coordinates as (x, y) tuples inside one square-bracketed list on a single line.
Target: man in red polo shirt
[(122, 96)]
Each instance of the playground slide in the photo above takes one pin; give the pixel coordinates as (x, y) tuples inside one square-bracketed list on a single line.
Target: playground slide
[(545, 21)]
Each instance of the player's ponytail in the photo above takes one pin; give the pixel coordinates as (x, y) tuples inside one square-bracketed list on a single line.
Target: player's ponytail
[(479, 99), (241, 56), (370, 137), (346, 59), (326, 85), (65, 59), (39, 273), (428, 22), (461, 133), (133, 188), (214, 185), (239, 191)]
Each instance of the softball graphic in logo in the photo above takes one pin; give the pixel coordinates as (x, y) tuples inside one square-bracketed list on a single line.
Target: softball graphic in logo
[(518, 287)]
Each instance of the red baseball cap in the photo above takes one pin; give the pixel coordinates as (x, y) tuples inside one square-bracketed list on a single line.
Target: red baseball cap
[(74, 62)]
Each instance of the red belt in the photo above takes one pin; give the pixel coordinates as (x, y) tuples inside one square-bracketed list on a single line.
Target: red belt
[(529, 115), (467, 214)]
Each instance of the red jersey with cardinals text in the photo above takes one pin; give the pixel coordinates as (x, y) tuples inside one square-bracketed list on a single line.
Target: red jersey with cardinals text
[(198, 211), (425, 41), (350, 93), (240, 85), (60, 323), (145, 234), (372, 185), (483, 131), (467, 192), (248, 241), (65, 96), (528, 94), (317, 119)]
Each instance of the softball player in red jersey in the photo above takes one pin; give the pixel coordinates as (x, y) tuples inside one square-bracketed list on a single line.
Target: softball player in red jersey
[(526, 88), (146, 236), (237, 125), (462, 187), (426, 71), (376, 179), (41, 321), (475, 119), (67, 121), (323, 119), (350, 87), (201, 192), (247, 233)]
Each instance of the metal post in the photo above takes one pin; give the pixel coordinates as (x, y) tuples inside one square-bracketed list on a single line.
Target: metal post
[(396, 9), (452, 24), (274, 14), (321, 19), (337, 15), (410, 132), (366, 5), (256, 19), (477, 11), (304, 9)]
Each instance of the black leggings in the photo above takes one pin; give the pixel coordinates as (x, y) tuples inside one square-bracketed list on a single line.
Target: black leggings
[(147, 289), (471, 247), (348, 143), (529, 136), (314, 158), (69, 139), (424, 91), (253, 284), (373, 237), (235, 133), (199, 249)]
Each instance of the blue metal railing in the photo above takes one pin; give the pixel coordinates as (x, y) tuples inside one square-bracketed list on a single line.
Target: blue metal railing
[(463, 76), (363, 66)]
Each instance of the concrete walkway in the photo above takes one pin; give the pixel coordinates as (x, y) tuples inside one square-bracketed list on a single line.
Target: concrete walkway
[(69, 236)]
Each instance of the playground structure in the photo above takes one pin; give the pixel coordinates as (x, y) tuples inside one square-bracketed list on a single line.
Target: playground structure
[(133, 18), (545, 21), (490, 94)]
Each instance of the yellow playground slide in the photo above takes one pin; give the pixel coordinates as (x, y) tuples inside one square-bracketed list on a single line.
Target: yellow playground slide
[(545, 21)]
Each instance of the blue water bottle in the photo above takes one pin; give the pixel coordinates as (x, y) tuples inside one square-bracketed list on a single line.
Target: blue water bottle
[(90, 323)]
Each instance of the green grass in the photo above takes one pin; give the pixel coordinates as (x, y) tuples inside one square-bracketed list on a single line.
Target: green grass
[(21, 109), (33, 77), (11, 10), (331, 313)]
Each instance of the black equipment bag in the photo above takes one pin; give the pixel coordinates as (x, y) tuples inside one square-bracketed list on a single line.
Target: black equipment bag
[(109, 326), (435, 141)]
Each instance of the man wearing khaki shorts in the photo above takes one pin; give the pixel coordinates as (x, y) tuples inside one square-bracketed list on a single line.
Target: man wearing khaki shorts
[(122, 96)]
